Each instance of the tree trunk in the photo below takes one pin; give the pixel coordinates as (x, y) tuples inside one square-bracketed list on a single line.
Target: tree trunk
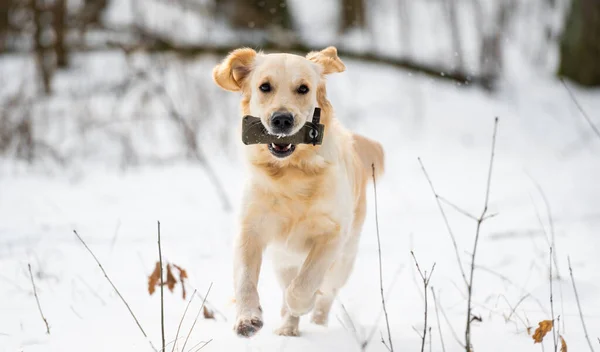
[(59, 26), (259, 14), (580, 44), (42, 60), (5, 6), (353, 14)]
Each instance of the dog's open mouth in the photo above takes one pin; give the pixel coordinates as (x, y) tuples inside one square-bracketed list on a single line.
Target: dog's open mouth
[(281, 150)]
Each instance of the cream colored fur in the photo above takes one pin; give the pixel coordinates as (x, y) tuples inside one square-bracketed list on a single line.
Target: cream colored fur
[(308, 208)]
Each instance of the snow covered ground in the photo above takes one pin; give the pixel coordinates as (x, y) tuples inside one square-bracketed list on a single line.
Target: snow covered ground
[(543, 143)]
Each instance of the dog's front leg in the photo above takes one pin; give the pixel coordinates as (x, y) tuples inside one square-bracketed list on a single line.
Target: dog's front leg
[(247, 261), (300, 294)]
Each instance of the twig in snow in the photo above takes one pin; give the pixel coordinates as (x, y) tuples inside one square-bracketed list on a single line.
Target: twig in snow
[(552, 306), (162, 301), (579, 307), (585, 116), (201, 347), (454, 334), (38, 300), (437, 316), (374, 328), (182, 318), (116, 290), (349, 324), (439, 204), (480, 220), (457, 208), (425, 279), (209, 305), (387, 322), (552, 240), (196, 319)]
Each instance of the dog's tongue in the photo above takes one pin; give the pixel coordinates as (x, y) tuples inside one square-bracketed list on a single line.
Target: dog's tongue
[(281, 147)]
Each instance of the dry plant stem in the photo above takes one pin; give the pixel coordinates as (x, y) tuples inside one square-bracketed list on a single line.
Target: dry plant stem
[(550, 223), (552, 306), (201, 347), (477, 232), (116, 290), (579, 307), (181, 321), (209, 305), (197, 315), (162, 301), (439, 204), (387, 322), (437, 316), (38, 301), (425, 279), (587, 118), (389, 292)]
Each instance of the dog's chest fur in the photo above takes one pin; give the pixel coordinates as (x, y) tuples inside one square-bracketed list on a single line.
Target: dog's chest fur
[(292, 208)]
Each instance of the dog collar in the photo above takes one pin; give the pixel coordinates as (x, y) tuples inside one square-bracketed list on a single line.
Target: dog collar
[(254, 132)]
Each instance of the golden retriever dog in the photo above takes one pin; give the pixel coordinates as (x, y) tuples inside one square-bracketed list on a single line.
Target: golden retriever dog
[(306, 203)]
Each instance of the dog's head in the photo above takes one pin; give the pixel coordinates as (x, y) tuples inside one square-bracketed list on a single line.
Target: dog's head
[(281, 89)]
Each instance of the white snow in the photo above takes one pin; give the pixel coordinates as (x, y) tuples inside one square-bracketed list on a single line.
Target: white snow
[(539, 140), (127, 169)]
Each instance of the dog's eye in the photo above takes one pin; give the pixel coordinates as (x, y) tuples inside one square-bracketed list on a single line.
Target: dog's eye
[(303, 89), (265, 87)]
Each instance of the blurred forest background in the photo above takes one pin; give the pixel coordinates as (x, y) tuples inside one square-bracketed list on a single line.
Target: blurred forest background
[(86, 78)]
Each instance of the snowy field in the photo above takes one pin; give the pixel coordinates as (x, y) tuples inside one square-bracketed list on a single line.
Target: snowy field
[(545, 149)]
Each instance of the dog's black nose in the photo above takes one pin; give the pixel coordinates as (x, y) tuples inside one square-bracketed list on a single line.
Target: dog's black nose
[(282, 122)]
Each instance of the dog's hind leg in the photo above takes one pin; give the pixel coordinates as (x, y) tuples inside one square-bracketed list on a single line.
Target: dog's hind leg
[(289, 323)]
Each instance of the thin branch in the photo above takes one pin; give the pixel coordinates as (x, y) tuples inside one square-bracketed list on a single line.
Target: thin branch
[(587, 118), (425, 279), (389, 292), (201, 347), (437, 316), (579, 307), (454, 334), (550, 221), (387, 322), (38, 301), (162, 301), (349, 325), (552, 306), (439, 204), (197, 315), (477, 232), (182, 318), (209, 305), (457, 208), (116, 290)]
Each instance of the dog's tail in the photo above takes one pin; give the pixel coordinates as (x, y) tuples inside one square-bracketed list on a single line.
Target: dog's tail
[(371, 154)]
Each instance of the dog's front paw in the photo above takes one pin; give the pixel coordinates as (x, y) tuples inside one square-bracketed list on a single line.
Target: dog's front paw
[(248, 324), (298, 303)]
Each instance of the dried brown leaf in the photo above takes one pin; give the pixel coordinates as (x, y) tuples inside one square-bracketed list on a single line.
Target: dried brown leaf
[(208, 314), (182, 273), (563, 344), (182, 276), (153, 279), (544, 327), (529, 330), (171, 280)]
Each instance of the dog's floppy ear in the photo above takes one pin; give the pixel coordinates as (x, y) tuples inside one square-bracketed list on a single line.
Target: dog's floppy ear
[(236, 67), (328, 59)]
